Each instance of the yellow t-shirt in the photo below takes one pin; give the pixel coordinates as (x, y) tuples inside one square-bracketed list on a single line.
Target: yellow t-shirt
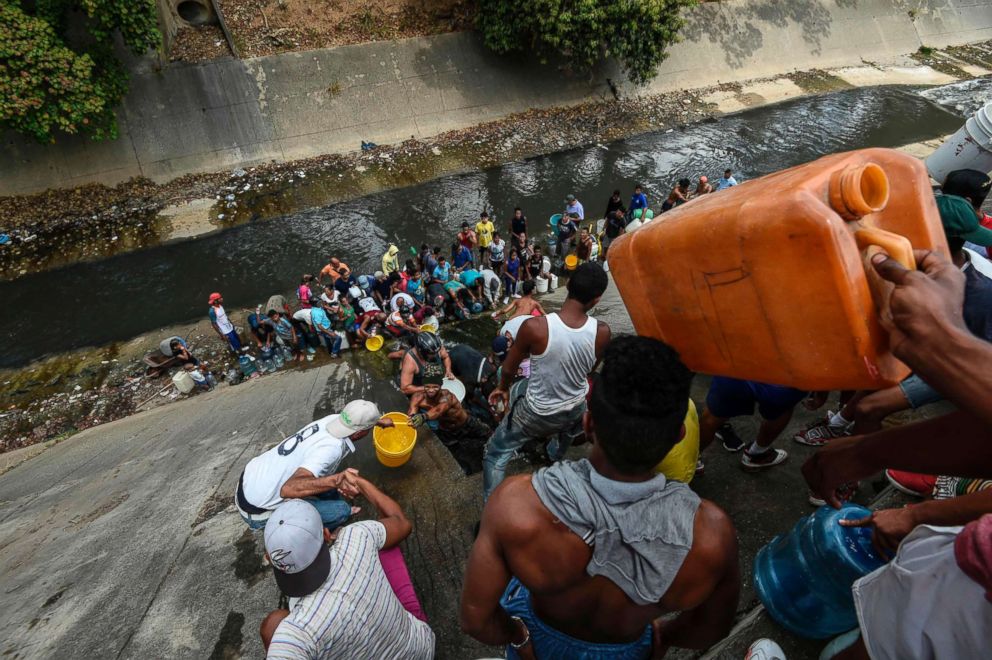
[(485, 230), (680, 463)]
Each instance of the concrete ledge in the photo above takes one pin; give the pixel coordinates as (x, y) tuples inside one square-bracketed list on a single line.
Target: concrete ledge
[(228, 113)]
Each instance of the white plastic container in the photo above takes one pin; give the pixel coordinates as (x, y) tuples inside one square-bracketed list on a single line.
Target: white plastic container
[(554, 282), (183, 381), (968, 149), (541, 285)]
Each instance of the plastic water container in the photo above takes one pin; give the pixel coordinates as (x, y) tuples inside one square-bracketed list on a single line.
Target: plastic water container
[(287, 353), (968, 149), (183, 381), (541, 285), (277, 358), (247, 364), (804, 577), (768, 280)]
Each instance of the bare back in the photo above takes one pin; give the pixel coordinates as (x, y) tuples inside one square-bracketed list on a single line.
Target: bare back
[(550, 560)]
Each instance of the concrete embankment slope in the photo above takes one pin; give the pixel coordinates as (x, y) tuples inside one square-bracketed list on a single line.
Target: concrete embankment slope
[(227, 113)]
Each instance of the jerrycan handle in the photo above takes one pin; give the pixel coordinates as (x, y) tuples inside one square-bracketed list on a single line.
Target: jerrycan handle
[(869, 240)]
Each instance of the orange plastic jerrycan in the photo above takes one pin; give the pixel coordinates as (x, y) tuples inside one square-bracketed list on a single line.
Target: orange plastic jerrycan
[(766, 281)]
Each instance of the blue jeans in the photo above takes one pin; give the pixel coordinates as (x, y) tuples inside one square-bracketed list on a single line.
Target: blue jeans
[(551, 644), (917, 392), (233, 340), (333, 510), (333, 345), (522, 424)]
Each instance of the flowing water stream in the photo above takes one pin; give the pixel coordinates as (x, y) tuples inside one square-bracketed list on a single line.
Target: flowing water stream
[(98, 302)]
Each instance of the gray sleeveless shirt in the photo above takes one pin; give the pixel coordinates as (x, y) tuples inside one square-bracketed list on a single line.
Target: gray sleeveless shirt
[(640, 533)]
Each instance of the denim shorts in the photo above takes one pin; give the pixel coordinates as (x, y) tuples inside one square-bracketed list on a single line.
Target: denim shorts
[(551, 644), (917, 392)]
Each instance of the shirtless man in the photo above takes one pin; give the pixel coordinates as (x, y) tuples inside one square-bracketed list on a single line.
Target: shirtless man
[(455, 427), (704, 187), (525, 305), (551, 546), (583, 250)]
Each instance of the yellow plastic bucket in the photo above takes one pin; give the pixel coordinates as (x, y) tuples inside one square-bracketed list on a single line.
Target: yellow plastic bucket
[(428, 327), (393, 446), (571, 261), (374, 343)]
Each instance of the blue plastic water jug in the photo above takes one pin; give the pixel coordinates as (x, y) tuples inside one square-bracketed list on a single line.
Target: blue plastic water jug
[(804, 577)]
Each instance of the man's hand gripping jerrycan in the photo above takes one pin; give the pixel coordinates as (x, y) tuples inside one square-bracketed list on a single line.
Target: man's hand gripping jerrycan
[(767, 280)]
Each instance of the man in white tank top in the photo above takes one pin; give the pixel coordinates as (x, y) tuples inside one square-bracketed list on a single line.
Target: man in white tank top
[(563, 349)]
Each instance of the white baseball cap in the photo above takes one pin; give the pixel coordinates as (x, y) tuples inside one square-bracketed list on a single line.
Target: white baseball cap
[(357, 416), (294, 539)]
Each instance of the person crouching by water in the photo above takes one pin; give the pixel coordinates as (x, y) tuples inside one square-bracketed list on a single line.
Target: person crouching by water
[(427, 358), (603, 548), (680, 195), (464, 434)]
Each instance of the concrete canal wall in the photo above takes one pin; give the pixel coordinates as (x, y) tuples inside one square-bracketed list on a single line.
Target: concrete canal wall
[(228, 113)]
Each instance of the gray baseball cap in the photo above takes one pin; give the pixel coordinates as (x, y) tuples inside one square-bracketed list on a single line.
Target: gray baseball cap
[(294, 540)]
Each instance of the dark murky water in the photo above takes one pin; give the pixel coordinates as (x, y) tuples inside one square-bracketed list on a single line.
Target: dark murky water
[(98, 302)]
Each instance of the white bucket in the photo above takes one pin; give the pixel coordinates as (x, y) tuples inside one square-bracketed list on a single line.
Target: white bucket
[(968, 149), (545, 265), (541, 285), (634, 224), (345, 344), (554, 281), (183, 382)]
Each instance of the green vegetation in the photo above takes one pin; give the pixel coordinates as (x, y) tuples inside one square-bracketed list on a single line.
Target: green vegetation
[(584, 32), (51, 83)]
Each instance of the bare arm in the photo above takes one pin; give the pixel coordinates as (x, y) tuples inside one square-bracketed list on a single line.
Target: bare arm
[(486, 577), (603, 337), (391, 516), (446, 359), (304, 484), (406, 377), (415, 402)]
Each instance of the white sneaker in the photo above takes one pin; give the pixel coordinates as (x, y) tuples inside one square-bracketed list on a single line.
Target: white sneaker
[(765, 649)]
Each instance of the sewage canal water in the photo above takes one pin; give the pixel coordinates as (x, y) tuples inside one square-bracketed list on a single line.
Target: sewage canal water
[(98, 302)]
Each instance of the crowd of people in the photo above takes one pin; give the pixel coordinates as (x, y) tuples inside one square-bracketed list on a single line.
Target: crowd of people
[(614, 555)]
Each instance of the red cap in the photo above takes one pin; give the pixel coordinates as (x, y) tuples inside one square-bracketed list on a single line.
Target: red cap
[(214, 297)]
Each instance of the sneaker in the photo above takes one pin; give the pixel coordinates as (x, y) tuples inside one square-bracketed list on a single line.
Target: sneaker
[(311, 350), (766, 459), (700, 467), (764, 649), (729, 438), (911, 483), (819, 434), (845, 494), (947, 487)]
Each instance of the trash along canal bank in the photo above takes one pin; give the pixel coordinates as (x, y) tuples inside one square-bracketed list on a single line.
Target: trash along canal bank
[(115, 299), (65, 226)]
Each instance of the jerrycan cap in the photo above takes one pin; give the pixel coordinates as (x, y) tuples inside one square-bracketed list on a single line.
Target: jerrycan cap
[(859, 190)]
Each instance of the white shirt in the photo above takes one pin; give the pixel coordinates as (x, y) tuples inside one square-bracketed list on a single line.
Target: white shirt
[(313, 448), (304, 315), (981, 264), (355, 613), (497, 249), (576, 207), (223, 323), (368, 304), (513, 325), (405, 297)]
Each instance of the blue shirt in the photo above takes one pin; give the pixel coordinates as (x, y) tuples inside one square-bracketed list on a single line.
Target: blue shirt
[(319, 319), (576, 207), (723, 183), (469, 277), (462, 257), (442, 273), (638, 201)]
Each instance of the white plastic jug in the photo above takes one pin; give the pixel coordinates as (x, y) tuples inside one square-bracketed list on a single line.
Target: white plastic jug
[(183, 381), (541, 284), (968, 149)]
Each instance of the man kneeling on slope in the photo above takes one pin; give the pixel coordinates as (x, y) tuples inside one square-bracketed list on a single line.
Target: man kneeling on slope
[(602, 548)]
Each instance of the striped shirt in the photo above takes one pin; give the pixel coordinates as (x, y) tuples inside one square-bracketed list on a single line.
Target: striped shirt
[(354, 614)]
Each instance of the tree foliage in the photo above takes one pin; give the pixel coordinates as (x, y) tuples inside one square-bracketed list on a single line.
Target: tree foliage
[(636, 32), (51, 84)]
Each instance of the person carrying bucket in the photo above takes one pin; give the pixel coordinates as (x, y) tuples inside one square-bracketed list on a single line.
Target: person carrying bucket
[(303, 466)]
